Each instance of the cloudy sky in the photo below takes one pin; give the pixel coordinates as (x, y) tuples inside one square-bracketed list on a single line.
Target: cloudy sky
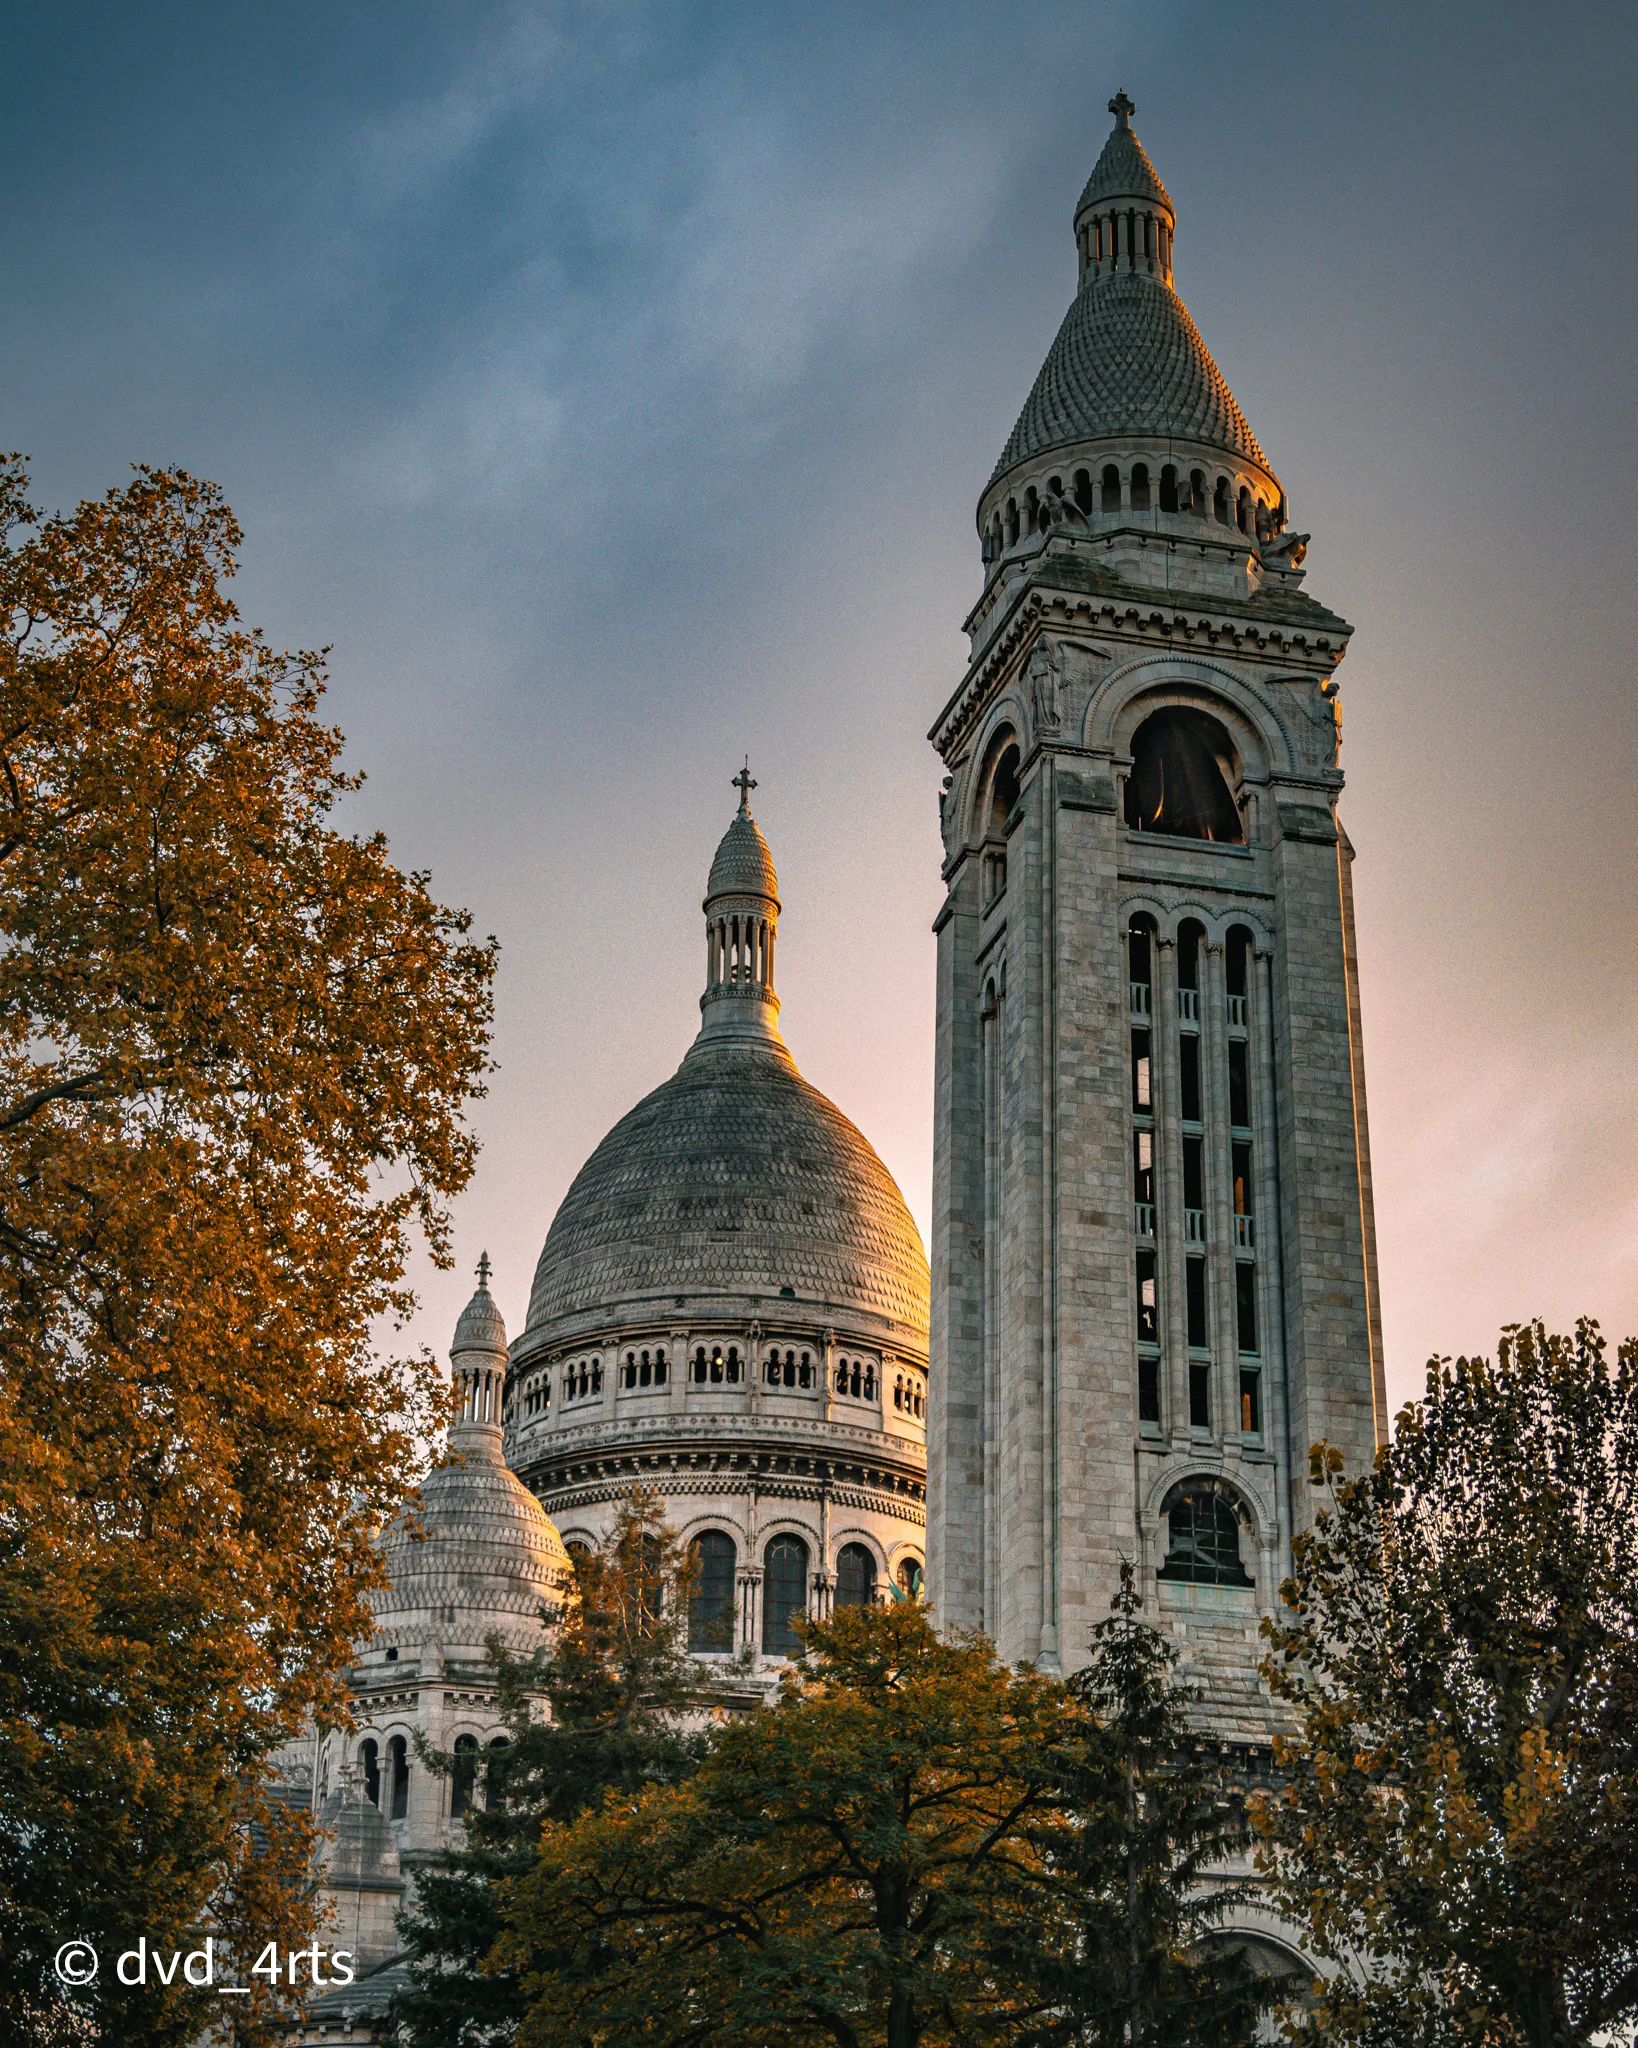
[(611, 385)]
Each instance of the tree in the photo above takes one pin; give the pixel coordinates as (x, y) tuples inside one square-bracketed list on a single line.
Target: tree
[(618, 1685), (862, 1863), (1459, 1836), (1153, 1823), (235, 1050)]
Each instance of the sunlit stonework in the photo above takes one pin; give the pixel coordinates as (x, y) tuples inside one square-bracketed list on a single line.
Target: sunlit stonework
[(1154, 1272)]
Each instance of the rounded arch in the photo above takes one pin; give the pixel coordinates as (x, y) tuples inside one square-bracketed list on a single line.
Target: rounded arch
[(995, 785), (1209, 1520), (1257, 1513), (858, 1573), (1264, 738), (786, 1562), (714, 1556)]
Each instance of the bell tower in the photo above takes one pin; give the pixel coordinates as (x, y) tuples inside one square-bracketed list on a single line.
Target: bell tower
[(1154, 1264)]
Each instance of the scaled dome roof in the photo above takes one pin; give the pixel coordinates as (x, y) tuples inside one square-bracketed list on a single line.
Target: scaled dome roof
[(734, 1177), (743, 864), (487, 1547), (1128, 360)]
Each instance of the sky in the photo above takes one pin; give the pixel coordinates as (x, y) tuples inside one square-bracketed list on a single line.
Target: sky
[(610, 387)]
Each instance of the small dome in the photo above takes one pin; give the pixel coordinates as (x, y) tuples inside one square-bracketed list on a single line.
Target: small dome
[(480, 1327), (1123, 171), (734, 1177), (743, 866), (482, 1548)]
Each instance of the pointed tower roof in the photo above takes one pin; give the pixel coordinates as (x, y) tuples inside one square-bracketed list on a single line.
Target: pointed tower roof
[(1127, 361), (743, 865), (1124, 170), (480, 1327)]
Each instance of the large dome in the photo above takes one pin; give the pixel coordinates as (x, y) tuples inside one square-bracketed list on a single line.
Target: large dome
[(735, 1177)]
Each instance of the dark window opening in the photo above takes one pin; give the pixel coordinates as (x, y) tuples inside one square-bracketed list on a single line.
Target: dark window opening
[(1197, 492), (1111, 488), (1143, 1166), (1245, 1303), (1242, 510), (910, 1578), (370, 1757), (1220, 502), (1237, 957), (1183, 764), (1140, 487), (1251, 1404), (1143, 1099), (1188, 954), (1200, 1397), (1189, 1075), (1003, 794), (784, 1595), (1083, 491), (465, 1775), (1148, 1300), (1242, 1180), (711, 1603), (1148, 1390), (1195, 1294), (1204, 1545), (1012, 522), (1137, 955), (1194, 1173), (494, 1772), (398, 1760), (1239, 1085), (1033, 501), (855, 1577), (1168, 488)]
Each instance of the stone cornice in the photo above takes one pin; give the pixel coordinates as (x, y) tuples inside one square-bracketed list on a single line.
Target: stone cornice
[(1072, 592)]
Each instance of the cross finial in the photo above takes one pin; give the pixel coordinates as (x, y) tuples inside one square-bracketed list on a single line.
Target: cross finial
[(744, 782), (483, 1271), (1122, 109)]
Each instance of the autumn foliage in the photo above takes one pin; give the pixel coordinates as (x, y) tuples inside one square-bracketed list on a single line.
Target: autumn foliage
[(235, 1049)]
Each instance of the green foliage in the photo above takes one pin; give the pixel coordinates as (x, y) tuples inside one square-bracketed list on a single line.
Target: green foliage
[(235, 1050), (1461, 1647), (1153, 1822), (861, 1863), (617, 1682)]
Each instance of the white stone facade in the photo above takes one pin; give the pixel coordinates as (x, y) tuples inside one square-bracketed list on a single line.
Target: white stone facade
[(1154, 1278)]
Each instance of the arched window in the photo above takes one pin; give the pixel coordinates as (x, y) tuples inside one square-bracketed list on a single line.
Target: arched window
[(1168, 488), (1220, 502), (1012, 522), (1204, 1549), (1140, 487), (1242, 510), (1182, 766), (398, 1765), (1083, 490), (1111, 488), (855, 1577), (711, 1604), (578, 1551), (910, 1578), (784, 1594), (465, 1775), (369, 1756), (1197, 491)]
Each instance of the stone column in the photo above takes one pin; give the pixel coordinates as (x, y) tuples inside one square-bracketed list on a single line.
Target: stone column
[(1219, 1171), (1166, 1094)]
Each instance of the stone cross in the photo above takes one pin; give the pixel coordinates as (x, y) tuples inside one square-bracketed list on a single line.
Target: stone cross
[(744, 782), (1122, 108)]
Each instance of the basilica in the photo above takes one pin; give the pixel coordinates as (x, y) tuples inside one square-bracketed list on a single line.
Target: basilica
[(1153, 1272)]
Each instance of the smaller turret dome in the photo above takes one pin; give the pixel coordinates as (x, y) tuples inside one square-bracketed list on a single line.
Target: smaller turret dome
[(1124, 171), (479, 1556), (743, 865), (480, 1327)]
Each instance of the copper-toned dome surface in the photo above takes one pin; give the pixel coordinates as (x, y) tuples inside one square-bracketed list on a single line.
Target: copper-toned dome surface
[(735, 1177)]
